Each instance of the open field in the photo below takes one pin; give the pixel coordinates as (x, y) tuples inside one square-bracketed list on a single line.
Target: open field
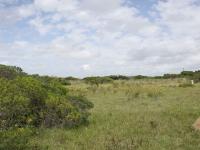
[(99, 74), (132, 115)]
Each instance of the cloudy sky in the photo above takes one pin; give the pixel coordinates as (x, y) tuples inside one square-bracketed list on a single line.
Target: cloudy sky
[(100, 37)]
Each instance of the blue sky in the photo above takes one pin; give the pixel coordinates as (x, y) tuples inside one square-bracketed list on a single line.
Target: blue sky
[(91, 37)]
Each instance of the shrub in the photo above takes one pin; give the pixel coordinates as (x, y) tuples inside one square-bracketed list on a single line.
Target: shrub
[(26, 101), (21, 100), (66, 112)]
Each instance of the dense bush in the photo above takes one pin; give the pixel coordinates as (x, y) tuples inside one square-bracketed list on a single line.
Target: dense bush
[(39, 101), (21, 100), (26, 101)]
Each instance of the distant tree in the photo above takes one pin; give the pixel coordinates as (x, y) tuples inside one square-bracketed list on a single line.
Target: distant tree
[(140, 77), (171, 76), (71, 78), (187, 73), (118, 77)]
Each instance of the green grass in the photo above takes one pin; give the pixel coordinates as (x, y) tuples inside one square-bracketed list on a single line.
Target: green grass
[(159, 118)]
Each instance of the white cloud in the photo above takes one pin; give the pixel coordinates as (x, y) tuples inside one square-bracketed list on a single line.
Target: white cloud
[(101, 7), (46, 5), (113, 37), (26, 11), (86, 67), (40, 26), (55, 5), (8, 16), (181, 17)]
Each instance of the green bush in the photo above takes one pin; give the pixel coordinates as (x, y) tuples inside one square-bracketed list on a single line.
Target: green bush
[(66, 112), (29, 102), (26, 101), (21, 100)]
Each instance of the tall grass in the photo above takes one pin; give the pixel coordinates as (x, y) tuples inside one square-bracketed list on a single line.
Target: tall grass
[(133, 115)]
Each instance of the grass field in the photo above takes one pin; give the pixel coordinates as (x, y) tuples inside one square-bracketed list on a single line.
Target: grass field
[(132, 115)]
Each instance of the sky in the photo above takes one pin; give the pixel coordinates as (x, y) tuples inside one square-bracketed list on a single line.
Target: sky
[(100, 37)]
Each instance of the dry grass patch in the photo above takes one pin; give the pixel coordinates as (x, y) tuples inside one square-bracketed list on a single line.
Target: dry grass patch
[(196, 125)]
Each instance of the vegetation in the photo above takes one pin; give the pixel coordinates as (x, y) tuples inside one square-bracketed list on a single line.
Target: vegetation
[(192, 75), (140, 77), (147, 114), (34, 101), (97, 80), (10, 72), (119, 77), (71, 79), (133, 113)]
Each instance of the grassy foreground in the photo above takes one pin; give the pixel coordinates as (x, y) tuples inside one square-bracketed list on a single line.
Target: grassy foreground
[(132, 115)]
